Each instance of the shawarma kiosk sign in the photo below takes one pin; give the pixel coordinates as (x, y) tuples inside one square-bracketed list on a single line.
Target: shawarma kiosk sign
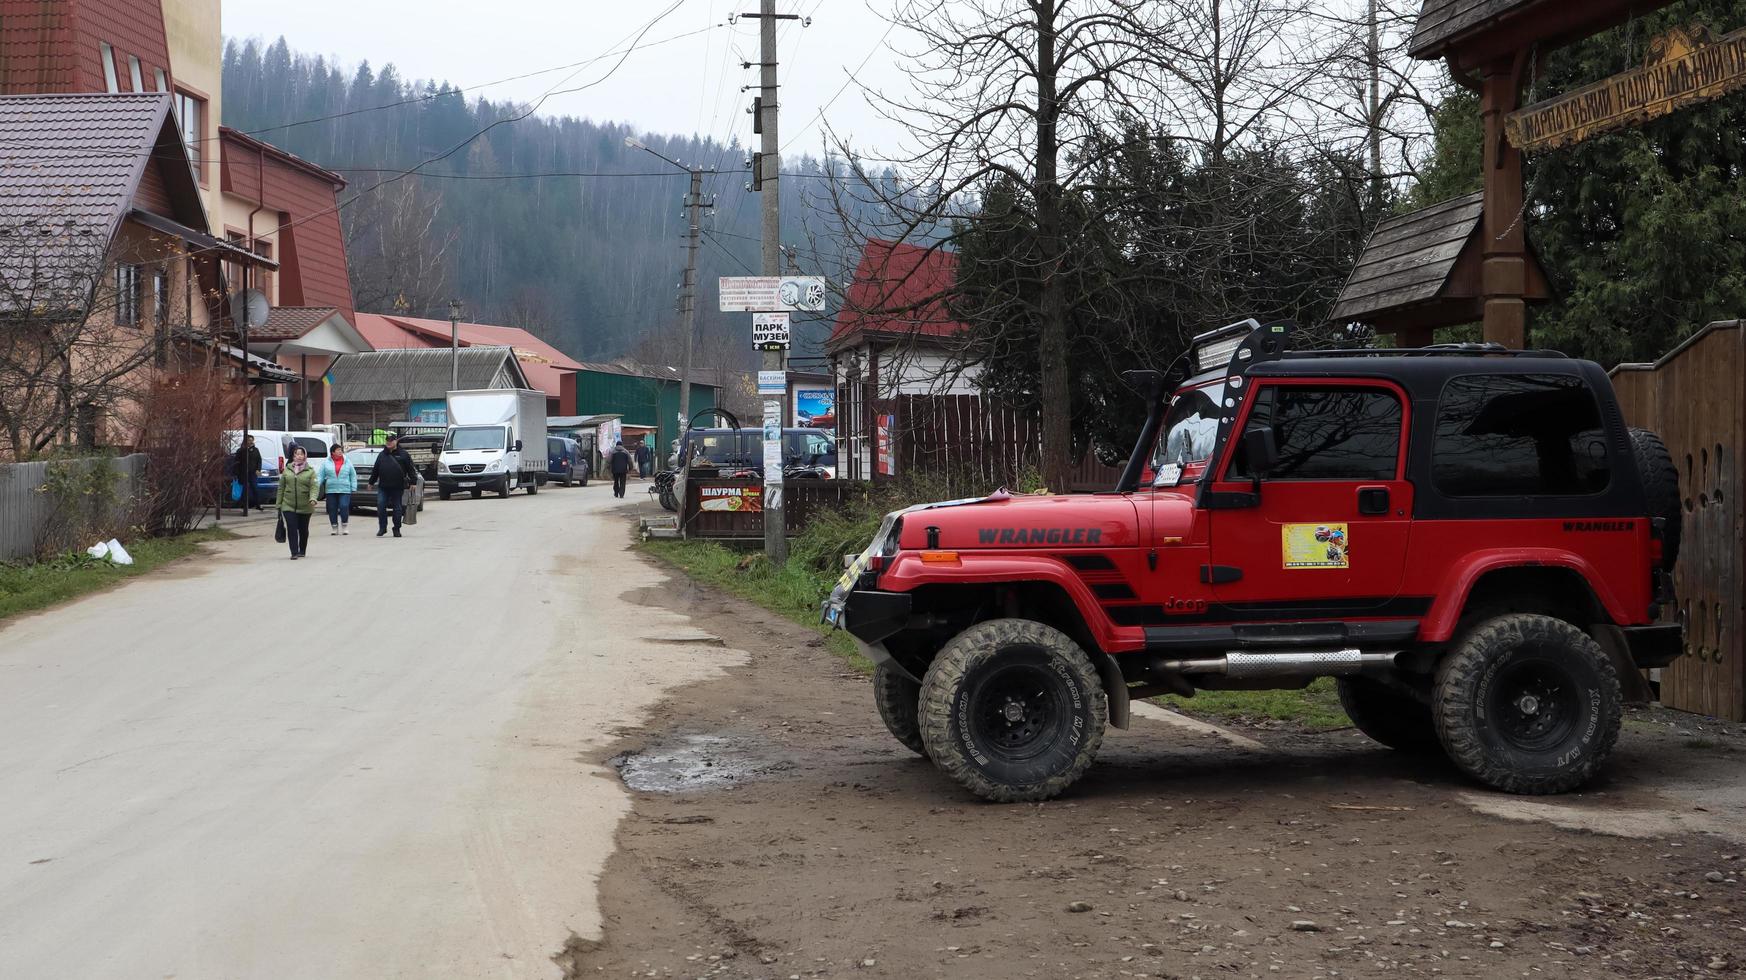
[(1685, 67)]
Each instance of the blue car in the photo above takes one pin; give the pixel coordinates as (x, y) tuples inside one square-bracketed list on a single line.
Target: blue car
[(564, 461)]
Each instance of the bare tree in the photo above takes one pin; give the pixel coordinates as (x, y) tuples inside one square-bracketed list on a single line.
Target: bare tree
[(82, 323), (399, 259), (1019, 91)]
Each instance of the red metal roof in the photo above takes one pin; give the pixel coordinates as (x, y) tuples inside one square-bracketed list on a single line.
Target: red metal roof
[(544, 365), (312, 249), (898, 290)]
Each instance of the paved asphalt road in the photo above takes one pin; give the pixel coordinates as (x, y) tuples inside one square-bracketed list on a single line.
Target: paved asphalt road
[(369, 763)]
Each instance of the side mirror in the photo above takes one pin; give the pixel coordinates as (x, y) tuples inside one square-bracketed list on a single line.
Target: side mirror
[(518, 445), (1260, 450)]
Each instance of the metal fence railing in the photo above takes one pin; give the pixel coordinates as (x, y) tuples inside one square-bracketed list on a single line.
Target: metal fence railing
[(25, 510)]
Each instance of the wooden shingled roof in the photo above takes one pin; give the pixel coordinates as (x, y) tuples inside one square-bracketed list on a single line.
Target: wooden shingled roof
[(1422, 270), (1443, 20)]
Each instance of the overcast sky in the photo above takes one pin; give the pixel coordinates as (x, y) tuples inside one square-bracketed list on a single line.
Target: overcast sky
[(689, 85)]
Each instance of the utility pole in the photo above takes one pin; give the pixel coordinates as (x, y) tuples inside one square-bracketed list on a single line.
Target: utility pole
[(454, 345), (694, 210), (1374, 109), (775, 540)]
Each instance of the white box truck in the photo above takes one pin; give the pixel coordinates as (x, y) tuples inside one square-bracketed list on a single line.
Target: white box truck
[(496, 441)]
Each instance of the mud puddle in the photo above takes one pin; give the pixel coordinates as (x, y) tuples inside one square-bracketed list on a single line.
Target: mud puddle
[(698, 763)]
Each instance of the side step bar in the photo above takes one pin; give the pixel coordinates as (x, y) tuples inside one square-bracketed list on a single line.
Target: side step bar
[(1194, 641), (1240, 665)]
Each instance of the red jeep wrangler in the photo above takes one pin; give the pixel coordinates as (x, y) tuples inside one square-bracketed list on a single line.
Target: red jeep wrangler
[(1469, 539)]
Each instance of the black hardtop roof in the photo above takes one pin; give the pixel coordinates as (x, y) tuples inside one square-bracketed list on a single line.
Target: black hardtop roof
[(1408, 367)]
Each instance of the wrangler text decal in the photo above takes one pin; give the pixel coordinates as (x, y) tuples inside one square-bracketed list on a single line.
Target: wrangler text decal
[(1039, 535)]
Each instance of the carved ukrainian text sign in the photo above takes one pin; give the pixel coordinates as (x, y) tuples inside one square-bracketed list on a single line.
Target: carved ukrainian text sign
[(1685, 67)]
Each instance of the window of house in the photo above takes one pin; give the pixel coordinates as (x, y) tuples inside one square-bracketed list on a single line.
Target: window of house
[(1327, 433), (107, 53), (190, 116), (127, 295), (264, 274), (133, 71), (163, 80), (161, 297), (1510, 435), (233, 270)]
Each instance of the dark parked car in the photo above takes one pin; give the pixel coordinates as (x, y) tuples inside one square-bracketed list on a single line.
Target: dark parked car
[(565, 462), (364, 460)]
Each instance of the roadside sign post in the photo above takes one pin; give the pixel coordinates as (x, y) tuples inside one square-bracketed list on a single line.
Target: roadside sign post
[(770, 300)]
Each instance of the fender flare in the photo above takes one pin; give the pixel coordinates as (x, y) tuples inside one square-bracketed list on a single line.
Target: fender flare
[(1461, 578)]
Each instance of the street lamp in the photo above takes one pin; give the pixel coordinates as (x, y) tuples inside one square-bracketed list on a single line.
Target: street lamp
[(693, 210), (454, 345)]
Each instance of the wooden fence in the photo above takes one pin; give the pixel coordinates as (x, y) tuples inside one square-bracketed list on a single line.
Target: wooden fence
[(1693, 399), (25, 510), (986, 442)]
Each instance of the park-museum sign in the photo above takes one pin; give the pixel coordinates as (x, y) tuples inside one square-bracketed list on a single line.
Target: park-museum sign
[(1685, 67)]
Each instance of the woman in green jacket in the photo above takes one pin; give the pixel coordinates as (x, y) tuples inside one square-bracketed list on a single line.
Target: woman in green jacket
[(298, 491)]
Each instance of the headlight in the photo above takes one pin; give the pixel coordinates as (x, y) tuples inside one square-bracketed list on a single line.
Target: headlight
[(442, 467), (495, 467)]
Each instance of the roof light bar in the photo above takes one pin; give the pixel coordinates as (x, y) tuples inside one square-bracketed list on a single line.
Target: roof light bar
[(1213, 350)]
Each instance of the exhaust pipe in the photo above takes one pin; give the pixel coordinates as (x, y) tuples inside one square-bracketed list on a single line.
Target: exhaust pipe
[(1306, 663)]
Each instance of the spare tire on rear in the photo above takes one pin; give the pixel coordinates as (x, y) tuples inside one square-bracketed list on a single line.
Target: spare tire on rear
[(1661, 486)]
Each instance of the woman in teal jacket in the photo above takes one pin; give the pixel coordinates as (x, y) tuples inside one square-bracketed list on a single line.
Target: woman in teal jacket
[(339, 480), (298, 488)]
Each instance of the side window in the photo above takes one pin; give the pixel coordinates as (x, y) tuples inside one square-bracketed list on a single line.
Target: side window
[(1327, 433), (1514, 435)]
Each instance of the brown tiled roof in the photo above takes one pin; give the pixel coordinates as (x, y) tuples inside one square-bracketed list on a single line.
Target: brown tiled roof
[(1408, 258), (70, 166), (1442, 20), (291, 322)]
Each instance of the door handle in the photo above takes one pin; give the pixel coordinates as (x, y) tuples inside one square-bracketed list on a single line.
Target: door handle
[(1373, 501)]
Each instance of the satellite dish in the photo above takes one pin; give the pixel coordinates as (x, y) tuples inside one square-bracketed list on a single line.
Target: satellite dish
[(250, 306)]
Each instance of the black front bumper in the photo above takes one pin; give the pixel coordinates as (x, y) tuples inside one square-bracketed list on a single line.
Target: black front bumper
[(1654, 646), (872, 616)]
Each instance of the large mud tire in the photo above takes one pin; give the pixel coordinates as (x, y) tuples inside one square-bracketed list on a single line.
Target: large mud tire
[(897, 697), (1527, 704), (1661, 486), (1013, 710), (1394, 718)]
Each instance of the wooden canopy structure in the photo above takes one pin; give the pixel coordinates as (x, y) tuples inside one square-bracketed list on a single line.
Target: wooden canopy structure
[(1425, 270), (1490, 46)]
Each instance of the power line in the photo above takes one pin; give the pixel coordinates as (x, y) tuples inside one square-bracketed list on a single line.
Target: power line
[(851, 80)]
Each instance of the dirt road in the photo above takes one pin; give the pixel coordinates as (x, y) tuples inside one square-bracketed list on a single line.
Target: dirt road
[(778, 831), (371, 763)]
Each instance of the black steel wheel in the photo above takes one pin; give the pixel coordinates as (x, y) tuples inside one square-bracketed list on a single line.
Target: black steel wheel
[(1013, 710), (1527, 704)]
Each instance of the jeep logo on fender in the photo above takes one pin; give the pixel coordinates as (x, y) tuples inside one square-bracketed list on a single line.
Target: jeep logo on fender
[(1039, 535), (1570, 526)]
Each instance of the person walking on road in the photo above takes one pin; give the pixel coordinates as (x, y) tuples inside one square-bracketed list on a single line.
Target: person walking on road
[(339, 480), (645, 459), (621, 464), (246, 464), (298, 488), (392, 474)]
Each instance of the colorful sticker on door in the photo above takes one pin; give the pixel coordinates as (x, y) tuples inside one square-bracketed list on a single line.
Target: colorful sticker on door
[(1316, 546)]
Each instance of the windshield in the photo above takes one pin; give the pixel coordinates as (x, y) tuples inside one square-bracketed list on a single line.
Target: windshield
[(718, 447), (810, 448), (1191, 427), (477, 437)]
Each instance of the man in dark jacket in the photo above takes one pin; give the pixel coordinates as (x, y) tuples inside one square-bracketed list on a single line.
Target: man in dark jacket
[(645, 458), (621, 464), (392, 474), (246, 465)]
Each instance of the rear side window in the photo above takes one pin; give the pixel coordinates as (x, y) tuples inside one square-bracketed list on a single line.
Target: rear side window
[(1327, 433), (311, 445), (1519, 435)]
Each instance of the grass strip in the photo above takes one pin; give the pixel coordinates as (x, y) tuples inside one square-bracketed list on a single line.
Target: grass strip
[(31, 587), (1315, 708), (793, 591)]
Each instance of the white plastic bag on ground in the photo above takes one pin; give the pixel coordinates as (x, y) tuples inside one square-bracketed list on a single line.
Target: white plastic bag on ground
[(118, 554), (98, 550)]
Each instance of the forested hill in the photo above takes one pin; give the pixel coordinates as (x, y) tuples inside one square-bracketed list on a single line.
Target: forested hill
[(589, 262)]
